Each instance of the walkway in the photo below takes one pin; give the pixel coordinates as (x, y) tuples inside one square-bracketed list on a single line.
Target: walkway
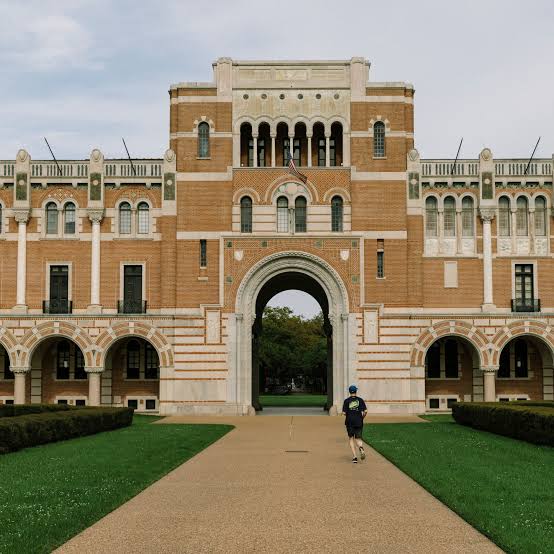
[(281, 484)]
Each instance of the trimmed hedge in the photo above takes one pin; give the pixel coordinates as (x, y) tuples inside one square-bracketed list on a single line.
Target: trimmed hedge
[(22, 431), (13, 410), (524, 421)]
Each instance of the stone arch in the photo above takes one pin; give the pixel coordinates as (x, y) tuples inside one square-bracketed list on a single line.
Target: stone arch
[(533, 328), (337, 191), (134, 329), (461, 329), (343, 324), (9, 342), (50, 329), (246, 191), (272, 188)]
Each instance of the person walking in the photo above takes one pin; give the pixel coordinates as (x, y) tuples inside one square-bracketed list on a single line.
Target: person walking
[(355, 410)]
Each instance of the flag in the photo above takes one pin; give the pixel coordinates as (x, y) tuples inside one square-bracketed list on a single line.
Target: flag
[(294, 171)]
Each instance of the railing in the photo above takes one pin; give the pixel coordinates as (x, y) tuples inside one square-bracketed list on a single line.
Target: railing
[(64, 169), (131, 307), (443, 168), (516, 168), (524, 305), (7, 168), (503, 168), (143, 168), (57, 306)]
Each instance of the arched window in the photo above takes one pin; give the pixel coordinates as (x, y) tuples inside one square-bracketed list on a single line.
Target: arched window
[(51, 219), (152, 363), (203, 140), (62, 366), (336, 214), (431, 215), (133, 360), (143, 217), (504, 217), (300, 214), (522, 227), (282, 214), (246, 214), (125, 218), (69, 219), (449, 217), (540, 216), (468, 219), (379, 140)]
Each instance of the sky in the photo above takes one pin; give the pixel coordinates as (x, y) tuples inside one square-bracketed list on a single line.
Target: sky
[(85, 73)]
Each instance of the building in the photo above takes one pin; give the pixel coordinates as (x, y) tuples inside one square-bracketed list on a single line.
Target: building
[(143, 284)]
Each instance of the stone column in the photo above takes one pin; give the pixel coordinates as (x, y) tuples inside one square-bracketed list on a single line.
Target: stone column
[(272, 150), (309, 150), (531, 224), (489, 376), (459, 230), (291, 146), (94, 376), (487, 215), (95, 216), (327, 150), (513, 230), (440, 229), (20, 378), (22, 217), (255, 151)]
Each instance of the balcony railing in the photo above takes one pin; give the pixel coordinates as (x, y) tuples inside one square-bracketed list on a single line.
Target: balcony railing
[(131, 307), (57, 306), (524, 305)]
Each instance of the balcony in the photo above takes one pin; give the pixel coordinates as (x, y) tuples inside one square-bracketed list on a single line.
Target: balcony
[(57, 306), (525, 305), (131, 307)]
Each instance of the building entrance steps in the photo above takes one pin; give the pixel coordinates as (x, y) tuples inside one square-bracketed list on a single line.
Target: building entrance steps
[(281, 484)]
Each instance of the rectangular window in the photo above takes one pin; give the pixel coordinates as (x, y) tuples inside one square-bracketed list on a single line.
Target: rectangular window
[(62, 401), (80, 372), (133, 360), (434, 403), (321, 152), (132, 289), (63, 361), (150, 404), (282, 219), (295, 153), (80, 402), (332, 152), (450, 402), (69, 220), (152, 365), (504, 222), (203, 253), (132, 404), (380, 258), (261, 152), (250, 152), (449, 223), (524, 287), (59, 285)]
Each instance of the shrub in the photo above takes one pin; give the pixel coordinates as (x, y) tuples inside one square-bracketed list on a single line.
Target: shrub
[(12, 410), (22, 431), (524, 421)]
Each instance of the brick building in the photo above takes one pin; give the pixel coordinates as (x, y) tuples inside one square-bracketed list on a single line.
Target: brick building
[(143, 284)]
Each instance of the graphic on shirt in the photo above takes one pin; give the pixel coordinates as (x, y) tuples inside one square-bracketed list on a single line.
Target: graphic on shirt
[(354, 404)]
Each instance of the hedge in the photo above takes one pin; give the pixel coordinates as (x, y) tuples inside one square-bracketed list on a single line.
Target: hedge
[(12, 410), (22, 431), (517, 420)]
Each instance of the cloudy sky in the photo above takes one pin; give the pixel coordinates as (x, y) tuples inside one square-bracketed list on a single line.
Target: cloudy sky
[(84, 73)]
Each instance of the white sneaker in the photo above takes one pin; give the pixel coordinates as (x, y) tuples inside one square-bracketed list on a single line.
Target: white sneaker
[(362, 453)]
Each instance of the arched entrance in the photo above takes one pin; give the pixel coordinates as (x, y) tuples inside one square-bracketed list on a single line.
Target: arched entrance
[(280, 283), (282, 271)]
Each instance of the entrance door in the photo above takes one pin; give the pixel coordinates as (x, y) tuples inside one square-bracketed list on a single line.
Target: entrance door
[(59, 284), (132, 289)]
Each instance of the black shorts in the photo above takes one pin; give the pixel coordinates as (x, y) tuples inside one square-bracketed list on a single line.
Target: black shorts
[(355, 432)]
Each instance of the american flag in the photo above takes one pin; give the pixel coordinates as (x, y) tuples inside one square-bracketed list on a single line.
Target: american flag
[(294, 171)]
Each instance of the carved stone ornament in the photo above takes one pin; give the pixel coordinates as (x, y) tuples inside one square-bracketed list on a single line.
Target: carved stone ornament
[(96, 215), (94, 369), (239, 255), (413, 154), (22, 155), (344, 255), (20, 369), (489, 369), (487, 214), (169, 155), (96, 155), (21, 216), (486, 154)]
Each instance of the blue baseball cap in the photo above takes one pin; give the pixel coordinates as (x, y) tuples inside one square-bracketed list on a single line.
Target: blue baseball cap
[(352, 388)]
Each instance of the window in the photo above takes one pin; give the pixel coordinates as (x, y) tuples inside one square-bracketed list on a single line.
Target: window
[(332, 152), (80, 402), (69, 219), (504, 217), (433, 361), (282, 214), (451, 359), (251, 152), (336, 214), (133, 360), (524, 299), (504, 365), (431, 213), (150, 404), (450, 402), (520, 359), (63, 401), (203, 253), (132, 290), (51, 219), (468, 220), (152, 366), (132, 403), (449, 217), (58, 302), (540, 216), (143, 212), (380, 258), (203, 140), (321, 152), (521, 217), (379, 140), (125, 218), (261, 152), (300, 215), (80, 372), (62, 366), (295, 153), (245, 214), (434, 403)]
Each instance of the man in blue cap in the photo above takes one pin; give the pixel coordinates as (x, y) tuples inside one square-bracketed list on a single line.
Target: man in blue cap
[(355, 410)]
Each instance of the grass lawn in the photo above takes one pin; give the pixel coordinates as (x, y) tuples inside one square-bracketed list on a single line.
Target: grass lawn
[(49, 493), (501, 486), (293, 400)]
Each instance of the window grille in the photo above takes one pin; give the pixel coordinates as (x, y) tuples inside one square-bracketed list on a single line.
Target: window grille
[(379, 140)]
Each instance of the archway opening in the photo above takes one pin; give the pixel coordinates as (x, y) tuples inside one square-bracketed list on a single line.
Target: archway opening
[(131, 376), (292, 344), (6, 378)]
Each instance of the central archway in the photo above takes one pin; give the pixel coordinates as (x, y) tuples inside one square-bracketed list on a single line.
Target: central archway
[(288, 270)]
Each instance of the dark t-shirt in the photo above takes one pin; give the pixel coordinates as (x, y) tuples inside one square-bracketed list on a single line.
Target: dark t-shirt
[(353, 407)]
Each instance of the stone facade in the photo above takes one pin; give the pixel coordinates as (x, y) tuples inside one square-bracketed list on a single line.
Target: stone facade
[(142, 283)]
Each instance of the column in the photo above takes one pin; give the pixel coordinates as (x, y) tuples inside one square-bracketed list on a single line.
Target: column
[(19, 387), (487, 216), (513, 221), (94, 376), (531, 224), (21, 216), (459, 231), (309, 150), (255, 151), (291, 145), (272, 150), (327, 151), (440, 229), (95, 216), (489, 376)]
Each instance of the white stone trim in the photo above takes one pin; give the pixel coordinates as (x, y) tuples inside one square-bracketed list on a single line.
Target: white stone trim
[(206, 176), (378, 175)]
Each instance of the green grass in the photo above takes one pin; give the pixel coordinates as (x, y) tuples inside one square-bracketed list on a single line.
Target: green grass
[(501, 486), (293, 400), (49, 493), (441, 418)]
